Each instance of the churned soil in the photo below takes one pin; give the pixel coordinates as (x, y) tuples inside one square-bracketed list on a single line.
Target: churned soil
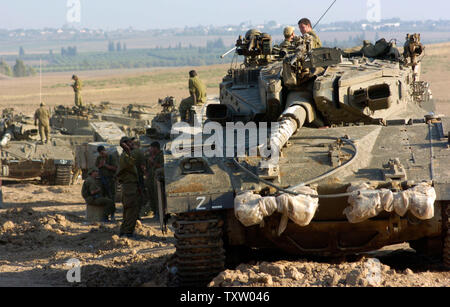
[(43, 227)]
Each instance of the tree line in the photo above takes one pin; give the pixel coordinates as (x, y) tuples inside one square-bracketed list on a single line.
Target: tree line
[(18, 70)]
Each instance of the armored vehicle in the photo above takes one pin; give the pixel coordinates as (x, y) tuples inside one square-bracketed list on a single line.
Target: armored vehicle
[(321, 152), (23, 157), (76, 121)]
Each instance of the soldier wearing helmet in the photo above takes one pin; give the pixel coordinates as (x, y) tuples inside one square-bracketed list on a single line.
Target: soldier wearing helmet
[(289, 34)]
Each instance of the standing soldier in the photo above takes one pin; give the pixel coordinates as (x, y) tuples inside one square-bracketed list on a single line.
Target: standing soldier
[(77, 89), (138, 155), (305, 27), (43, 116), (155, 164), (197, 89), (128, 177), (91, 193), (107, 165)]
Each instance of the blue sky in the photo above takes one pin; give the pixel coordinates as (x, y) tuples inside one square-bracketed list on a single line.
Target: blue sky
[(150, 14)]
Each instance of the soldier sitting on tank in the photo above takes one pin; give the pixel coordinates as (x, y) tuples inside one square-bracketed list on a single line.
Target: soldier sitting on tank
[(289, 34), (92, 194), (107, 165), (197, 89), (42, 115), (305, 27)]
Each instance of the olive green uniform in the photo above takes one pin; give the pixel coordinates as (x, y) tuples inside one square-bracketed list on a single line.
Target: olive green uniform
[(107, 176), (43, 116), (138, 155), (128, 177), (90, 186), (152, 174), (197, 89), (286, 44), (316, 42), (77, 89)]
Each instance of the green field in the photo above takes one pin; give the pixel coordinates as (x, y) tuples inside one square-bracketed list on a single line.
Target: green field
[(136, 58)]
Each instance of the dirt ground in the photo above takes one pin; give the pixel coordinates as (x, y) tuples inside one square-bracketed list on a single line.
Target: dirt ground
[(43, 227)]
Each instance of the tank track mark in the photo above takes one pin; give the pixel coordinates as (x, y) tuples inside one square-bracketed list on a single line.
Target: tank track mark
[(63, 175), (199, 255)]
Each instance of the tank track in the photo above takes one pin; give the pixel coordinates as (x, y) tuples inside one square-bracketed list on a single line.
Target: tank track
[(446, 226), (199, 255), (63, 175)]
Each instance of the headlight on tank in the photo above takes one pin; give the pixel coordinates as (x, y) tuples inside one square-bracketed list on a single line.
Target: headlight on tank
[(187, 166), (194, 166)]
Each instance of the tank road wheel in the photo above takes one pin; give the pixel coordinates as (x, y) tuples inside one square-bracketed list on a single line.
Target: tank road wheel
[(199, 255), (446, 251), (63, 175)]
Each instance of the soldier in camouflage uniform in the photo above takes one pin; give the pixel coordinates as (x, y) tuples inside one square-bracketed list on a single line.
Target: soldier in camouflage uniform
[(91, 193), (155, 168), (197, 89), (305, 27), (138, 155), (128, 177), (42, 115), (77, 89), (107, 165), (288, 37)]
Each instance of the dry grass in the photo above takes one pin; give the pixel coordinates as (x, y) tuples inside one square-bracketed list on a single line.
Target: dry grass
[(144, 86)]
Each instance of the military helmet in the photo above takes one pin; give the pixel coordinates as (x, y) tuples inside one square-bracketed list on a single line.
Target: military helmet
[(42, 104), (288, 31)]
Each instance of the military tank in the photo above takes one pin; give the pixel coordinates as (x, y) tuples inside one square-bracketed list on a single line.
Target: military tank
[(321, 152), (23, 157)]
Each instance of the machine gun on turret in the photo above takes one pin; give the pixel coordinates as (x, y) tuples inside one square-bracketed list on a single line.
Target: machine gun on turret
[(256, 47), (304, 63)]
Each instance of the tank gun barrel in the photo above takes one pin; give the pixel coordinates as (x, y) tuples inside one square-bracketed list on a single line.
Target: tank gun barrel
[(228, 52), (292, 119), (6, 137)]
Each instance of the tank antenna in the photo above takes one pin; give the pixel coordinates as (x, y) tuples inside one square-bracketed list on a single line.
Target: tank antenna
[(324, 14), (40, 80)]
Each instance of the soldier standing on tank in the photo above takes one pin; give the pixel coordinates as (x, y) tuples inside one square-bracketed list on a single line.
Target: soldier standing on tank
[(138, 155), (128, 177), (91, 193), (42, 115), (77, 89), (197, 90), (107, 165), (305, 27), (155, 168), (288, 37)]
